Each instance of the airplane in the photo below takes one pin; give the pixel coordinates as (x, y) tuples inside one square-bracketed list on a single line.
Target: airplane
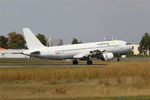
[(104, 50)]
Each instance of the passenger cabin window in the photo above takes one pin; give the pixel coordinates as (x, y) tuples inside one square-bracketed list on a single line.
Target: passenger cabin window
[(103, 44)]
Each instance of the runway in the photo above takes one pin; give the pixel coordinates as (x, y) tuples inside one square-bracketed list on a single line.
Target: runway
[(51, 65)]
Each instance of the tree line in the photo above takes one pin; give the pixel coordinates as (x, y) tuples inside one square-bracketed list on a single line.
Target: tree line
[(15, 40), (145, 44)]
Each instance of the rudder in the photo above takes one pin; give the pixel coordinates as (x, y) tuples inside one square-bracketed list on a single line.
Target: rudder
[(31, 40)]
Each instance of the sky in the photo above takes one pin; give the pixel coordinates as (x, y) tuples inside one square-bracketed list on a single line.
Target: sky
[(86, 20)]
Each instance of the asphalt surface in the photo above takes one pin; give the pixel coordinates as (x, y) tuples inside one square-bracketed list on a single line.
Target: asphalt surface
[(51, 65)]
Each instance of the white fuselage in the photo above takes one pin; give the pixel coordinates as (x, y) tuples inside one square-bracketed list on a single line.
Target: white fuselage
[(70, 51)]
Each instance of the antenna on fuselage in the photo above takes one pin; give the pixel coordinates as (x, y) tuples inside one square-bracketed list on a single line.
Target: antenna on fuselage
[(104, 38), (113, 36)]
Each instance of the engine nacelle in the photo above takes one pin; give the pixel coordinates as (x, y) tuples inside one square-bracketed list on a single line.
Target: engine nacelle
[(107, 56)]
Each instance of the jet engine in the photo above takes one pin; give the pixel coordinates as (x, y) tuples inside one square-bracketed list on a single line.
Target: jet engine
[(107, 56), (101, 55)]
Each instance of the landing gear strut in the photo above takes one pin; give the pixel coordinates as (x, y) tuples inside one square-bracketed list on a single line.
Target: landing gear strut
[(89, 62), (75, 62), (118, 57)]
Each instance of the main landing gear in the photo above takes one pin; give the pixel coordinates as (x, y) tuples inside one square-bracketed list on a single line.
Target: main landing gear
[(75, 62), (89, 62)]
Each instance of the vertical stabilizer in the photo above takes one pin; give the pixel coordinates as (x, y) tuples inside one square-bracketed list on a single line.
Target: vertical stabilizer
[(31, 39)]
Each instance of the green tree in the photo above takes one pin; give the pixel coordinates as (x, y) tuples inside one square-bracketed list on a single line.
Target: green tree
[(75, 41), (145, 44), (129, 53), (16, 41), (42, 39), (3, 41)]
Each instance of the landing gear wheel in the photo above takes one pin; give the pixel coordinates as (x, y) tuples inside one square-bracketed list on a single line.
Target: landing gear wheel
[(75, 62), (118, 59), (89, 62)]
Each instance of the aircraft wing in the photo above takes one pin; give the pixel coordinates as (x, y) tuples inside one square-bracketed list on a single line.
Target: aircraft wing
[(82, 55), (89, 54), (103, 55)]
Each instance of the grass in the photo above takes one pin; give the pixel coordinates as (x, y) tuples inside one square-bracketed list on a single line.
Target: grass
[(104, 79), (112, 70), (114, 98)]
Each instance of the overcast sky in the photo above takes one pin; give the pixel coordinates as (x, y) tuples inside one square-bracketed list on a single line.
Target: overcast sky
[(87, 20)]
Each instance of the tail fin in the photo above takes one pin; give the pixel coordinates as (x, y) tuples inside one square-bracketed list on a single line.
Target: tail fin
[(31, 39)]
